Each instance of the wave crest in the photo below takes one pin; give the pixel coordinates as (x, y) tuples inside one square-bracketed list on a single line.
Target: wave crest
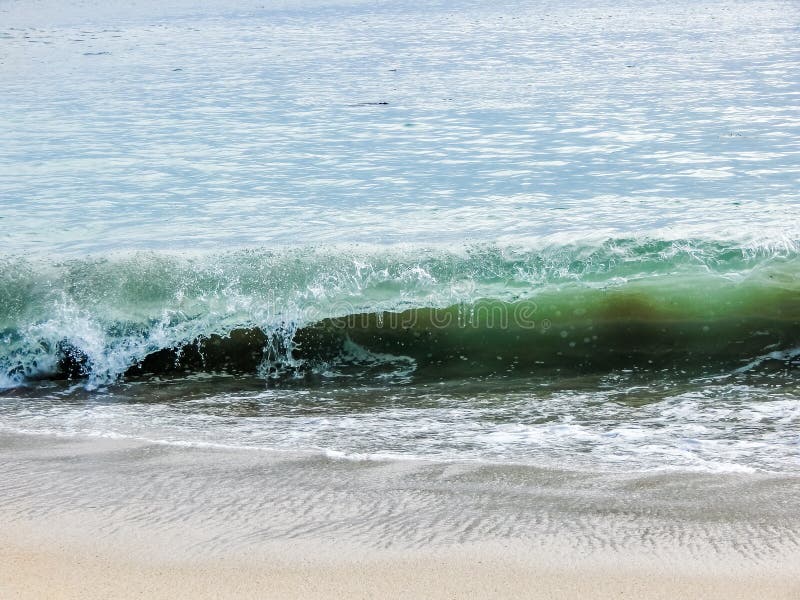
[(474, 310)]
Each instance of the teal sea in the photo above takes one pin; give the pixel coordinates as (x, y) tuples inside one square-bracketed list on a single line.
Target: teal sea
[(554, 234)]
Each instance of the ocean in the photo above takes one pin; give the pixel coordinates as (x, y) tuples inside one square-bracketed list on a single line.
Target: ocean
[(555, 234)]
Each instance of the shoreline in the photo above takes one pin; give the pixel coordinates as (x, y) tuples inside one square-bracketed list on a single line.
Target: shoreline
[(89, 518)]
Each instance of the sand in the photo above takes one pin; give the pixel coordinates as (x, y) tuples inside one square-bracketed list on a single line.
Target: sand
[(61, 574), (121, 519)]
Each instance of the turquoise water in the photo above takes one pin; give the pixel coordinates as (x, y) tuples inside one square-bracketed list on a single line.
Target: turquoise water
[(558, 234), (252, 124)]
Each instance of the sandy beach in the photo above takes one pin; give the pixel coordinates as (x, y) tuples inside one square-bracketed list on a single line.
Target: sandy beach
[(123, 519), (342, 299), (65, 574)]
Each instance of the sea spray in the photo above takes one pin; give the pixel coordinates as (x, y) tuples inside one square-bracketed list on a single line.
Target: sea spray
[(483, 309)]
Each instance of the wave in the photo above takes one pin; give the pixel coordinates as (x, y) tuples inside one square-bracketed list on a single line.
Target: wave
[(404, 313)]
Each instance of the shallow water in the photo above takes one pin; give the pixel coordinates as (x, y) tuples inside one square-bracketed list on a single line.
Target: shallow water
[(618, 423), (600, 200)]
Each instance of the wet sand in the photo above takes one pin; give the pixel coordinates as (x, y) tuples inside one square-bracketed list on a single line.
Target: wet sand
[(120, 519)]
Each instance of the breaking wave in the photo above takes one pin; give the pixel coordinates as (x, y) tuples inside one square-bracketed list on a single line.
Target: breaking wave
[(403, 313)]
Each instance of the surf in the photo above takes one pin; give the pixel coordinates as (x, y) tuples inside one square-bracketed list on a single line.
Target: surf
[(421, 313)]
